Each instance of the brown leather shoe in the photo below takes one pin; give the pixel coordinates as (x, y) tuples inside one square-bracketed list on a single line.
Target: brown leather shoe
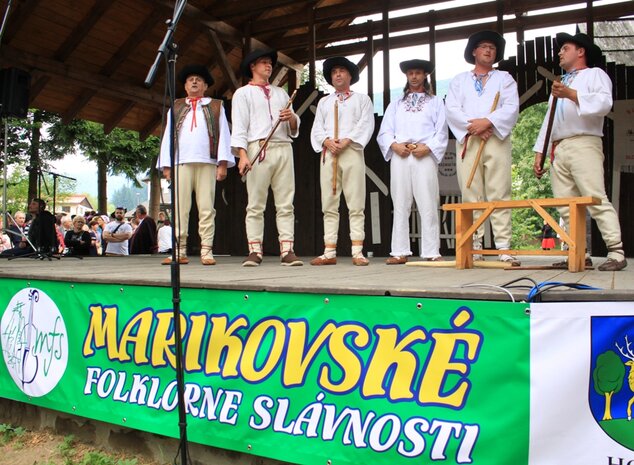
[(396, 260), (360, 261), (613, 265), (290, 259), (252, 260), (181, 260), (207, 260), (322, 260), (563, 265)]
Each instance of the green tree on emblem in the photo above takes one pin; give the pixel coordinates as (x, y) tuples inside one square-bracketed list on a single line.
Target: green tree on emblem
[(608, 378)]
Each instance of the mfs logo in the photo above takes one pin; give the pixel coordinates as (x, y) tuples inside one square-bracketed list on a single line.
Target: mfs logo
[(611, 387), (34, 342)]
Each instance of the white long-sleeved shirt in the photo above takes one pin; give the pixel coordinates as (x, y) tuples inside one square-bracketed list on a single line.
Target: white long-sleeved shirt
[(594, 92), (356, 121), (253, 116), (419, 119), (193, 142), (463, 103)]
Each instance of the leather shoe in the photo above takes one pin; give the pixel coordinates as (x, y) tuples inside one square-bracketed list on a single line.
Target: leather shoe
[(396, 260), (322, 260), (290, 259), (613, 265), (252, 260), (181, 260), (360, 261)]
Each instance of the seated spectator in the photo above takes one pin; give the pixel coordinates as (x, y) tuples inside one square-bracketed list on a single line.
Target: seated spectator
[(165, 237), (41, 232), (5, 242), (95, 236), (78, 241), (17, 229)]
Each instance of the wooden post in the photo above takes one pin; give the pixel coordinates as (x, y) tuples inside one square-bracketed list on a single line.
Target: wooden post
[(311, 49), (589, 19), (500, 16), (432, 46), (369, 53), (386, 57), (293, 82), (246, 46)]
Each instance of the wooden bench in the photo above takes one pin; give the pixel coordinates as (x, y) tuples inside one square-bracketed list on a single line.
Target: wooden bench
[(575, 238)]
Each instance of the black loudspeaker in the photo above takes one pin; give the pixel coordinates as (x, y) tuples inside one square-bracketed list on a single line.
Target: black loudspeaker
[(14, 92)]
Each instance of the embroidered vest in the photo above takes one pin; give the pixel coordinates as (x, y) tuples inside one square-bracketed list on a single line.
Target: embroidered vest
[(212, 119)]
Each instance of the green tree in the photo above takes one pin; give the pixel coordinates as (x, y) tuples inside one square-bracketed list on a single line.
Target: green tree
[(608, 378), (527, 223), (30, 145), (119, 152)]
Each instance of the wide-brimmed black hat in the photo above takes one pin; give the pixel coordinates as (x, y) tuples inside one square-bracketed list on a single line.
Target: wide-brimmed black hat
[(593, 51), (425, 65), (198, 70), (245, 67), (488, 36), (331, 62)]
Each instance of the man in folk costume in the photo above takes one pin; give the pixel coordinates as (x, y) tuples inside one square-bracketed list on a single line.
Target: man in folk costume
[(203, 154), (343, 125), (255, 109), (584, 97), (473, 118), (413, 138)]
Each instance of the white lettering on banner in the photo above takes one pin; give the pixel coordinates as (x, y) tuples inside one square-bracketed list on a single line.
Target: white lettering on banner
[(379, 433)]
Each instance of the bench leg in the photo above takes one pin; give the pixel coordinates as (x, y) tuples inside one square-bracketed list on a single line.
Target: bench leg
[(577, 249), (464, 259)]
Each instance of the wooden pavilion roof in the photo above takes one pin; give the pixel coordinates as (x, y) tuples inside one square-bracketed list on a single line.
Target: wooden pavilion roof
[(89, 58)]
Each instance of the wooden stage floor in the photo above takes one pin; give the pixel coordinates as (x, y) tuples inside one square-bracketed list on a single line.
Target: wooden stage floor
[(343, 278)]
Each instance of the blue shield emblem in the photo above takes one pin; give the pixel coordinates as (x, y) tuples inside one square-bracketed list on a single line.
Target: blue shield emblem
[(611, 386)]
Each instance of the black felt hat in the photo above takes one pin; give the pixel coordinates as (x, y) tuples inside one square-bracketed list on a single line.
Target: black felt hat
[(593, 51), (482, 36), (330, 63), (198, 70), (245, 67), (425, 65)]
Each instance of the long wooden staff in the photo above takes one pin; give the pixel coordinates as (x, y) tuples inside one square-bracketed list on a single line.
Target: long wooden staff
[(549, 129), (334, 157), (482, 144), (268, 138)]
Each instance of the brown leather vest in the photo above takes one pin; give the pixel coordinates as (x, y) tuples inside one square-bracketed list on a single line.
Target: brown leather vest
[(212, 119)]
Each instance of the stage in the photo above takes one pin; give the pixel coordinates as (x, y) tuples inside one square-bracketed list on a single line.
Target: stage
[(343, 278)]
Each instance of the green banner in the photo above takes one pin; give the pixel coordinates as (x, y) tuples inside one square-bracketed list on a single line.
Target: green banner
[(303, 378)]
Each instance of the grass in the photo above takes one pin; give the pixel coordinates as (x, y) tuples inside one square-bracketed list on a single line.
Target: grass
[(67, 449)]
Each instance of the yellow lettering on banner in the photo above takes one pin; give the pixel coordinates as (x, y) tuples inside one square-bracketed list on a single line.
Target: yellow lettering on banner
[(195, 342), (223, 340), (297, 360), (441, 365), (102, 331), (137, 333), (163, 351), (347, 359), (249, 360), (392, 355)]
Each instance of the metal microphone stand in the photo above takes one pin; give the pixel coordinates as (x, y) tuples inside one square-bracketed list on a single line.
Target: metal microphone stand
[(167, 51)]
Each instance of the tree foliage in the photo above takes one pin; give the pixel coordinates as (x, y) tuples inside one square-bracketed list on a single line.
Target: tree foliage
[(608, 378), (527, 223)]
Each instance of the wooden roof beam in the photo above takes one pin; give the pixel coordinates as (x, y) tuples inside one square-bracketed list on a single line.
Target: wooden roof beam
[(79, 103), (39, 82), (403, 23), (118, 116), (85, 25), (18, 17), (602, 13), (223, 61), (151, 127), (348, 10), (80, 77)]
